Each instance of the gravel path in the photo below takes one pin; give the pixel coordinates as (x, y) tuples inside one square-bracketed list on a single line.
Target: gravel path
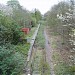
[(48, 53)]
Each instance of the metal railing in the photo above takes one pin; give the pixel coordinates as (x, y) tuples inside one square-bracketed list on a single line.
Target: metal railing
[(28, 66)]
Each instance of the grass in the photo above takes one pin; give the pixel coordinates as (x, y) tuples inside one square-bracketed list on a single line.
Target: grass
[(37, 59), (54, 45), (56, 56), (40, 40), (52, 32), (44, 66), (40, 67), (61, 68), (23, 48)]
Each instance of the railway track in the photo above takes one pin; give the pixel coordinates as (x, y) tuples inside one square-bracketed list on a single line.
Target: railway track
[(30, 58), (49, 54)]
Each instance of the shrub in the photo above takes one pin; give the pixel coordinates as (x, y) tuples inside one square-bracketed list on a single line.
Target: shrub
[(11, 61), (23, 48)]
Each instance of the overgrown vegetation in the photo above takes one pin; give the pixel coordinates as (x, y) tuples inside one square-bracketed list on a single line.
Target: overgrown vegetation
[(62, 68), (40, 40), (11, 61), (43, 68), (40, 66), (61, 21), (13, 47)]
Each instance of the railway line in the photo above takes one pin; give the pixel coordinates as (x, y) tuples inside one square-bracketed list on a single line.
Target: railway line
[(30, 58), (39, 57)]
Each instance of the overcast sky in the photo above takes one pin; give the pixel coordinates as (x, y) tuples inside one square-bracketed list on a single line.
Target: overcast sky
[(42, 5)]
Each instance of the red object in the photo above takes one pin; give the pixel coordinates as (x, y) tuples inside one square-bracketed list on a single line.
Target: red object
[(25, 30)]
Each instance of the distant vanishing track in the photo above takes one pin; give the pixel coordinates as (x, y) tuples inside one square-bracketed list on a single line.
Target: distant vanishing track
[(49, 54)]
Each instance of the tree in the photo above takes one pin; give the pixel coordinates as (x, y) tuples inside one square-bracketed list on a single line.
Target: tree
[(13, 3), (37, 15), (52, 20)]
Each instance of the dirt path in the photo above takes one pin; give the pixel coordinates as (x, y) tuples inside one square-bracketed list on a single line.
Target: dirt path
[(48, 53)]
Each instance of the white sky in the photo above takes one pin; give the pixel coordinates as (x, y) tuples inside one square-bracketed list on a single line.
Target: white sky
[(42, 5)]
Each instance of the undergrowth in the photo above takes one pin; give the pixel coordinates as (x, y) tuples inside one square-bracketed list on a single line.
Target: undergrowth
[(40, 40)]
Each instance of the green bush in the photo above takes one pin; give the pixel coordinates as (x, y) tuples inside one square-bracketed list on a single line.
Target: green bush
[(23, 48), (11, 61), (5, 35), (11, 35), (10, 31), (72, 69)]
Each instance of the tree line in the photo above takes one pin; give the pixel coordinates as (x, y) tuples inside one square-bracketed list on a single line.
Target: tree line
[(61, 19)]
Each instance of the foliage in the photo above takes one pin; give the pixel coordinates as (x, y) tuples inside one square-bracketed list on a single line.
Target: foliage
[(4, 35), (62, 68), (11, 61), (61, 21), (13, 55), (22, 17), (10, 34), (13, 3), (44, 66), (33, 22), (23, 48), (37, 15), (72, 69), (40, 40), (31, 32), (51, 16), (13, 51)]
